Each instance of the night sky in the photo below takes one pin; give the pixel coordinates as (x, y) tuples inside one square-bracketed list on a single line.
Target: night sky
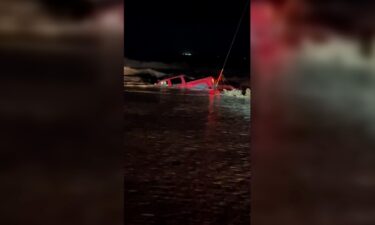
[(161, 30)]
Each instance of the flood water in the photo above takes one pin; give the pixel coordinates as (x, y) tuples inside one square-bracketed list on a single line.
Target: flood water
[(187, 158)]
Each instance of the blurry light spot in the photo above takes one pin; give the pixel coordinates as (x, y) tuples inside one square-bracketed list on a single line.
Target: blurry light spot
[(187, 53)]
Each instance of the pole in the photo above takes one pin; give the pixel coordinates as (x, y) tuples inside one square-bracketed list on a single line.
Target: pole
[(232, 43)]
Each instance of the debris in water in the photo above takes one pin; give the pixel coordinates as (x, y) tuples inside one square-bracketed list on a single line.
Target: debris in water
[(237, 93)]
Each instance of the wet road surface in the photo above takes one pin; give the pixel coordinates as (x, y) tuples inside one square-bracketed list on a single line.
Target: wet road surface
[(187, 158)]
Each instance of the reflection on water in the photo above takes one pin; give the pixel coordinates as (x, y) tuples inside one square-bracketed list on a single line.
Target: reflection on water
[(186, 158)]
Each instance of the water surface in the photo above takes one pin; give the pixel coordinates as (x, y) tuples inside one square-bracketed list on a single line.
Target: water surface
[(186, 158)]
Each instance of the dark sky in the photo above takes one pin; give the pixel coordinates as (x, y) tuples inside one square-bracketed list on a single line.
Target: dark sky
[(160, 30)]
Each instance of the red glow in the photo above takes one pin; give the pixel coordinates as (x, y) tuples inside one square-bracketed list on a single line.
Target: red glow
[(268, 48)]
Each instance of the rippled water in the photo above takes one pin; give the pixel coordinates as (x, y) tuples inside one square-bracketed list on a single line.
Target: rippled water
[(186, 158)]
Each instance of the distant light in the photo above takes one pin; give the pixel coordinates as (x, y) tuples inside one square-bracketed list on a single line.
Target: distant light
[(187, 54)]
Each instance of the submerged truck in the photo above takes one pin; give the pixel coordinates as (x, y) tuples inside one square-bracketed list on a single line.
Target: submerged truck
[(183, 81)]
